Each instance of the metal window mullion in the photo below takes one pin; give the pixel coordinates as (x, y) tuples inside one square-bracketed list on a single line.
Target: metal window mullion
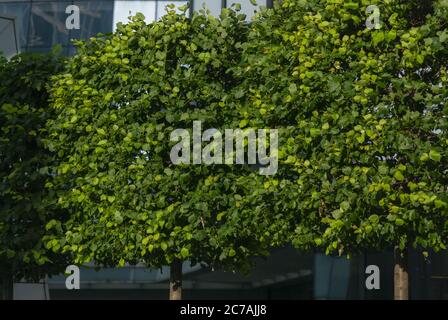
[(16, 38), (191, 10)]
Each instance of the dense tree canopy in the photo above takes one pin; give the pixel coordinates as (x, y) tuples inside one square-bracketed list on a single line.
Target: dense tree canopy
[(364, 119), (25, 204), (118, 101)]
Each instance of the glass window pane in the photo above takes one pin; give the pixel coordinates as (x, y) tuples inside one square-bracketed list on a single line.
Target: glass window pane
[(246, 7), (162, 4), (95, 17), (47, 24), (124, 9), (21, 13), (213, 5), (8, 40)]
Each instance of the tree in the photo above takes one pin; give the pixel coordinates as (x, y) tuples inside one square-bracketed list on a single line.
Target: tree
[(118, 102), (25, 205), (364, 118)]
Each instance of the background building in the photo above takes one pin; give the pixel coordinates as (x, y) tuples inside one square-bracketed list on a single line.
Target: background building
[(285, 274), (8, 36), (41, 24)]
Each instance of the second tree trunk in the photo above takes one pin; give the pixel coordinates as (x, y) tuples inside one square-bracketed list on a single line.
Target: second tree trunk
[(176, 280), (401, 275), (6, 287)]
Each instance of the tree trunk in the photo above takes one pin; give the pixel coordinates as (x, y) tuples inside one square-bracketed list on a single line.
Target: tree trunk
[(176, 280), (401, 275), (6, 287)]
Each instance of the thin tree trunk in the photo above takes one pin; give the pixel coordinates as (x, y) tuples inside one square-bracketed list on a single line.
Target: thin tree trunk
[(401, 275), (176, 280), (6, 287)]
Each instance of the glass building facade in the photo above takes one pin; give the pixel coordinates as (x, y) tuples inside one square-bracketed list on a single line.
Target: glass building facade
[(8, 36), (41, 24), (285, 274), (38, 25)]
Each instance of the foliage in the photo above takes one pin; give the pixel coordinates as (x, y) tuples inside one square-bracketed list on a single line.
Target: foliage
[(363, 115), (24, 202), (117, 103)]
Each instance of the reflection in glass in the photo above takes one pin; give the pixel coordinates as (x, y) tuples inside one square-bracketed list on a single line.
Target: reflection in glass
[(21, 13), (95, 17), (9, 46), (331, 277), (47, 24)]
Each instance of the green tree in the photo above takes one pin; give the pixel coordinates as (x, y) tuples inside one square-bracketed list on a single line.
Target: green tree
[(118, 102), (363, 113), (25, 205)]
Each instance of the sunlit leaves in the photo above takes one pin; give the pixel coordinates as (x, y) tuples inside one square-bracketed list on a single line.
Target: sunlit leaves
[(127, 92), (364, 116)]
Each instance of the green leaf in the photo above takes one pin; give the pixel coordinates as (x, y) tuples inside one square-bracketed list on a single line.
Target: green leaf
[(314, 132), (243, 123), (374, 218), (184, 253), (351, 5), (435, 155), (424, 157), (292, 88), (220, 215), (398, 175), (377, 37)]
